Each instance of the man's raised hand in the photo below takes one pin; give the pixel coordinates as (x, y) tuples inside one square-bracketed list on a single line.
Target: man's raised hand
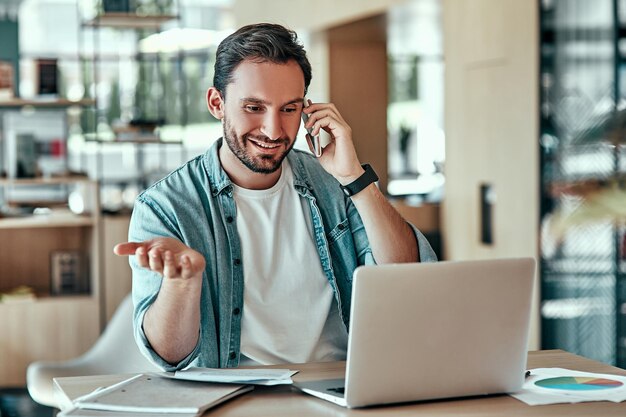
[(166, 256)]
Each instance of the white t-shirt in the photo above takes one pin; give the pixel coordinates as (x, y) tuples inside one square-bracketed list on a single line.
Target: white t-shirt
[(290, 314)]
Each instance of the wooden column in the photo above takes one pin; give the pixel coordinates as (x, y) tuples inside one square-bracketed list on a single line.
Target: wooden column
[(358, 86), (491, 49)]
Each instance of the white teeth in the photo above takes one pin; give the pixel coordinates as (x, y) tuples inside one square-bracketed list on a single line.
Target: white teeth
[(263, 145)]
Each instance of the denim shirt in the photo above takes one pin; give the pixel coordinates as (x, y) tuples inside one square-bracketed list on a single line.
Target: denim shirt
[(195, 205)]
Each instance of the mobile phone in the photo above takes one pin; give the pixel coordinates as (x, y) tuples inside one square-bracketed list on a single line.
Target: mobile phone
[(315, 140)]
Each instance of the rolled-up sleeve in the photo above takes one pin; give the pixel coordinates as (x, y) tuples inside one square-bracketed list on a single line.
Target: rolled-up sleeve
[(426, 252), (362, 245), (146, 224)]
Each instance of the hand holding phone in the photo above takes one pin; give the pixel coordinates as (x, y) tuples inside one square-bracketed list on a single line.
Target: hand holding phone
[(314, 141)]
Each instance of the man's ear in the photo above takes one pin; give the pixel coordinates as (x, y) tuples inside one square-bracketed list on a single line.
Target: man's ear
[(215, 103)]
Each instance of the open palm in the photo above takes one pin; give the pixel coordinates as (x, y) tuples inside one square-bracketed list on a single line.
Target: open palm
[(166, 256)]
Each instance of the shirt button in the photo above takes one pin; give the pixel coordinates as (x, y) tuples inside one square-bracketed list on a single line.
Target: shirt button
[(341, 226), (236, 311), (229, 219), (237, 261), (232, 355)]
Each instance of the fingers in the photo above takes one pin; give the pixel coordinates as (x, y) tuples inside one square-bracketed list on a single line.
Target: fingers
[(163, 263), (325, 108), (328, 120), (155, 260), (141, 256), (165, 256), (170, 268), (187, 267), (184, 269), (169, 265), (126, 248), (313, 107), (150, 259), (166, 264)]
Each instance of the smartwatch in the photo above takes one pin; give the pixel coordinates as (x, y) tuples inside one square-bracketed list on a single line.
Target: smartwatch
[(356, 186)]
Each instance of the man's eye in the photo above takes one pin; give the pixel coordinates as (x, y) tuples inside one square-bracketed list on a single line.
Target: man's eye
[(289, 109), (251, 108)]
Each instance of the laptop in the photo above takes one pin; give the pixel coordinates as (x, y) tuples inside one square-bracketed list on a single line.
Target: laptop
[(426, 331)]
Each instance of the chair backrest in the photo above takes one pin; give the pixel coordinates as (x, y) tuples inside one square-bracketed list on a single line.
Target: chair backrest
[(114, 352)]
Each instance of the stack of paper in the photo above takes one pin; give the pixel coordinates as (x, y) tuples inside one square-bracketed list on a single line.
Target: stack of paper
[(238, 376), (558, 385), (155, 395), (82, 412)]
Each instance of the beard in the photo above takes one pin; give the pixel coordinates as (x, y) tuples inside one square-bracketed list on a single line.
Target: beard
[(263, 164)]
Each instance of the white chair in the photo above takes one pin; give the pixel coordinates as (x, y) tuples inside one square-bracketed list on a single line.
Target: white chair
[(115, 352)]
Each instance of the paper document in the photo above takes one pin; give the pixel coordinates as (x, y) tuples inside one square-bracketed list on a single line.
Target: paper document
[(238, 376), (559, 385), (82, 412), (151, 393)]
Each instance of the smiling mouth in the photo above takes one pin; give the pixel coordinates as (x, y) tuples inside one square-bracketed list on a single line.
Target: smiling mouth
[(265, 145)]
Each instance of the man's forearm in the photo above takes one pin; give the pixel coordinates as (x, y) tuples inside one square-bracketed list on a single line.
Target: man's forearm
[(391, 238), (172, 323)]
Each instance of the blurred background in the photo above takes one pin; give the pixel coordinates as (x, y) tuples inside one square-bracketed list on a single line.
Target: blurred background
[(496, 127)]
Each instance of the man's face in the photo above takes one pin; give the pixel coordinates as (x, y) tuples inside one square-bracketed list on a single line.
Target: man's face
[(262, 113)]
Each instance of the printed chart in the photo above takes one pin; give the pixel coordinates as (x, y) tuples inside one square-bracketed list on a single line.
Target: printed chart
[(559, 385), (578, 383)]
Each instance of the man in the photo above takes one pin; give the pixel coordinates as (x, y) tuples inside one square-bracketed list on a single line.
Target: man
[(245, 254)]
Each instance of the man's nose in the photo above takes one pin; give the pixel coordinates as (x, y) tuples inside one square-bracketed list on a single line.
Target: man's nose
[(272, 126)]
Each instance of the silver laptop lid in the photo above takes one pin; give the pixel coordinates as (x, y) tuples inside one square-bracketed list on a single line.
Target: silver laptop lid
[(438, 330)]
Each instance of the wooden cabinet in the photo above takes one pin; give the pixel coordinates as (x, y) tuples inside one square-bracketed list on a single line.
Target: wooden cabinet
[(50, 326), (116, 272), (58, 325)]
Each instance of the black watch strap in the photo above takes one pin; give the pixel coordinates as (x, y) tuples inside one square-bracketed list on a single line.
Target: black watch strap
[(356, 186)]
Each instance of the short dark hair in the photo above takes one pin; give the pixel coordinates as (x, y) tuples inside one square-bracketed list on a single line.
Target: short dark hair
[(261, 42)]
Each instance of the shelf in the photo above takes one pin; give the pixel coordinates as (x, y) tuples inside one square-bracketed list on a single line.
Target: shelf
[(122, 180), (140, 142), (44, 181), (49, 299), (60, 219), (45, 103), (129, 21)]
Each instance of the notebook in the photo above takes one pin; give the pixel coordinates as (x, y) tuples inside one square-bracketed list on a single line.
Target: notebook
[(434, 330), (156, 395)]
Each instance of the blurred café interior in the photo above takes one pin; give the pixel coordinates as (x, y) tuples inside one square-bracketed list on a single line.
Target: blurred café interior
[(495, 127)]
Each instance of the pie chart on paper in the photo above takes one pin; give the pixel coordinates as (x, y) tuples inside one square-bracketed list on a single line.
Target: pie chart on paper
[(578, 383)]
